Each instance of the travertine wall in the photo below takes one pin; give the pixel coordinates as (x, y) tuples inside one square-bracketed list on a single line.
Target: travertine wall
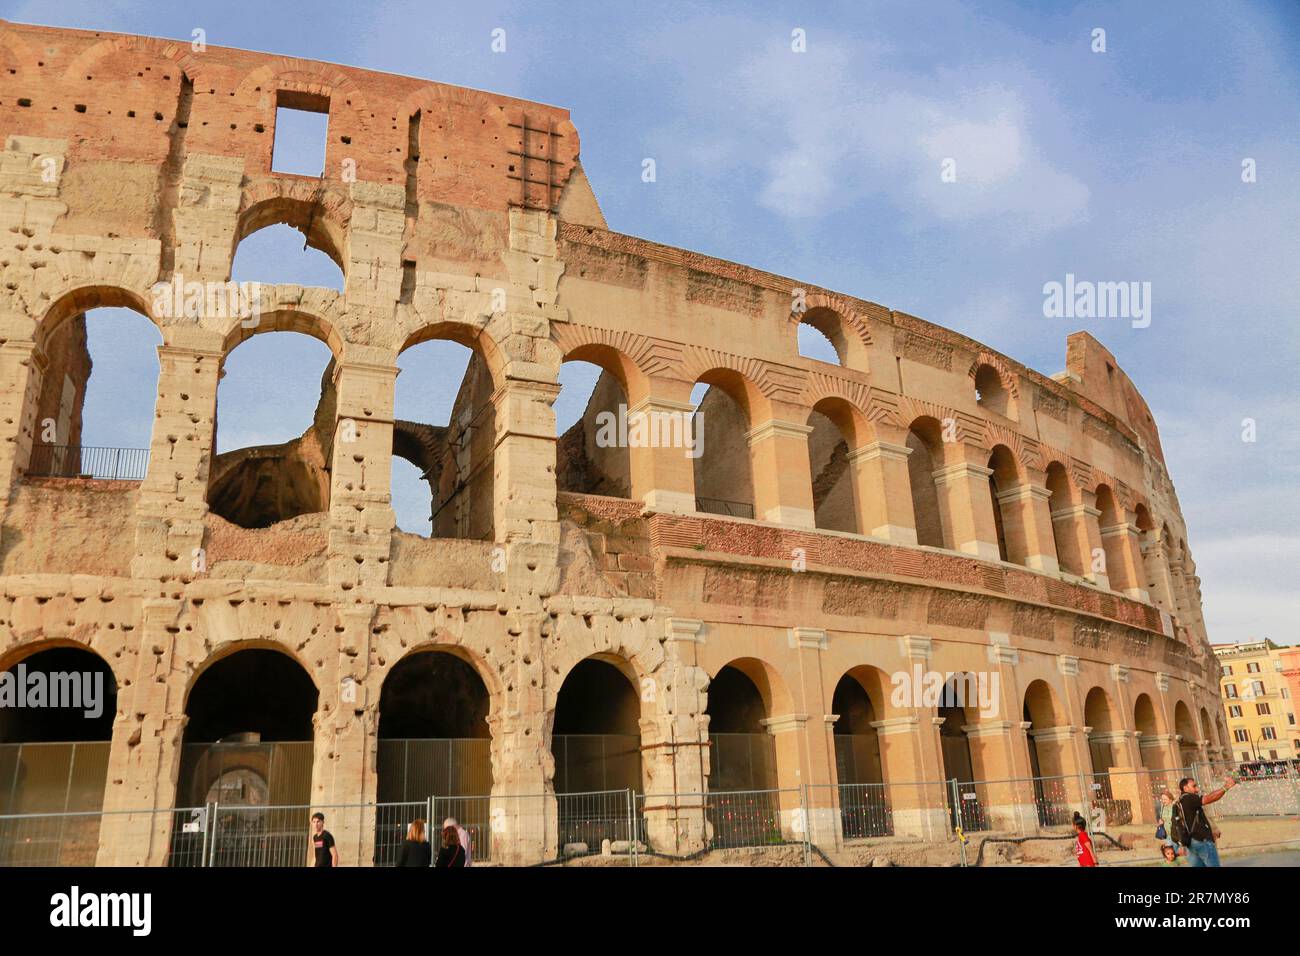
[(464, 215)]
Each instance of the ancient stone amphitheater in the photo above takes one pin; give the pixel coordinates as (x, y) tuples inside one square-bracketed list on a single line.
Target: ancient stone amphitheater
[(586, 615)]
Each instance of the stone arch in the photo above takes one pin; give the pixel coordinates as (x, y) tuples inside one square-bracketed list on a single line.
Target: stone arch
[(861, 700), (848, 331), (116, 47), (1185, 728), (321, 212), (1147, 724), (347, 104), (584, 464), (925, 439), (838, 430), (996, 386), (84, 295), (726, 476), (1005, 483), (1100, 715), (1063, 499)]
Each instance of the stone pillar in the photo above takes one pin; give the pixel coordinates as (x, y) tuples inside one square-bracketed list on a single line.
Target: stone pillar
[(966, 509), (675, 746), (1121, 568), (912, 761), (523, 484), (1160, 584), (1129, 779), (346, 741), (1027, 523), (790, 731), (782, 474), (882, 491), (1173, 757), (22, 366), (999, 751), (173, 497), (145, 753), (663, 477), (1071, 524), (817, 747)]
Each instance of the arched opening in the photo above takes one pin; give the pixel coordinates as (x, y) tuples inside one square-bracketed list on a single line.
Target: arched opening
[(445, 428), (592, 456), (1004, 485), (248, 748), (277, 254), (291, 241), (99, 387), (859, 768), (57, 707), (817, 345), (1061, 503), (274, 431), (596, 743), (925, 439), (1207, 729), (1151, 576), (742, 808), (434, 741), (724, 471), (1188, 751), (1043, 714), (1099, 716), (1144, 719), (955, 751), (990, 392), (1113, 544), (833, 438)]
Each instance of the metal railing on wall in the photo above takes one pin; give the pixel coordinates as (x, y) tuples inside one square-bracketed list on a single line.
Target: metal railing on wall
[(88, 461)]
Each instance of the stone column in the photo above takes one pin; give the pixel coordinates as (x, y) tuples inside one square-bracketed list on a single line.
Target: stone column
[(173, 497), (999, 751), (664, 477), (1071, 525), (817, 748), (1121, 568), (1027, 522), (145, 753), (782, 474), (524, 487), (22, 366), (345, 742), (966, 508), (1160, 584), (675, 746), (360, 506), (912, 761), (882, 491), (1129, 779), (1173, 757)]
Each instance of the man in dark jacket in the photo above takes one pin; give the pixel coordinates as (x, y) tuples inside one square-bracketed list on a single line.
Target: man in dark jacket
[(1197, 833)]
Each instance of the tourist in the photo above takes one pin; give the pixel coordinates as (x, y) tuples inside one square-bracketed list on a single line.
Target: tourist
[(416, 850), (1083, 842), (1165, 831), (1170, 853), (452, 853), (325, 853), (1192, 827), (463, 835)]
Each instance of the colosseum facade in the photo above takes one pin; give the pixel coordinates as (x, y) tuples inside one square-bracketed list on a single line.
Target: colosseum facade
[(926, 504)]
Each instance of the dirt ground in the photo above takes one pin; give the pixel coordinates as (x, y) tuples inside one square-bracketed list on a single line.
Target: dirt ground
[(1246, 835)]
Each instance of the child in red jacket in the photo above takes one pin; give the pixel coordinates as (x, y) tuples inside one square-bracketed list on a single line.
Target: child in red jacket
[(1083, 844)]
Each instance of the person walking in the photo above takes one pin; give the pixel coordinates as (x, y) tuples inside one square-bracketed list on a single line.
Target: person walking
[(1083, 842), (1192, 828), (1165, 831), (324, 852), (416, 850), (452, 854)]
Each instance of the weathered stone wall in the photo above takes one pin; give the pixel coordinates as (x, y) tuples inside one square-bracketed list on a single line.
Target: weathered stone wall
[(129, 161)]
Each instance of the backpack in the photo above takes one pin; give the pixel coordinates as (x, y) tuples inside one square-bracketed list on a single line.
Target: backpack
[(1181, 834)]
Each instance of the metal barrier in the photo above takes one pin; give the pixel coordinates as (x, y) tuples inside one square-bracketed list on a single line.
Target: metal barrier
[(87, 461), (721, 506)]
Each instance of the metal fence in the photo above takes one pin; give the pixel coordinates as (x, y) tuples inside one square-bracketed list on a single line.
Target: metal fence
[(623, 824), (721, 506), (87, 461)]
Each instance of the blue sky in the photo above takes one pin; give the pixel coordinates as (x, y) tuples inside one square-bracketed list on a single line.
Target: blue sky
[(823, 165)]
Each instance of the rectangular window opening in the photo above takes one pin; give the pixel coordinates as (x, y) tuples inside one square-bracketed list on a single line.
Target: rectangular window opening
[(301, 131)]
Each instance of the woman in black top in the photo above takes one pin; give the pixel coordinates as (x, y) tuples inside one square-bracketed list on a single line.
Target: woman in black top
[(452, 854), (416, 851)]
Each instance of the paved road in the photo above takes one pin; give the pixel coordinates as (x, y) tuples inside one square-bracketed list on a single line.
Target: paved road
[(1280, 858)]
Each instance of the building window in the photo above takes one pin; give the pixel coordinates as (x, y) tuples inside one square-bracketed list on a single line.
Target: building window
[(1262, 709), (1230, 690), (1240, 736), (1290, 719), (1267, 733), (1252, 667), (1227, 670), (1234, 710), (1257, 688)]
